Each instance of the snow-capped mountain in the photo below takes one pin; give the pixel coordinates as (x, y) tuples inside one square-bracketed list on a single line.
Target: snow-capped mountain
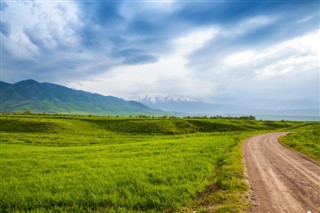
[(188, 106), (176, 104), (155, 99)]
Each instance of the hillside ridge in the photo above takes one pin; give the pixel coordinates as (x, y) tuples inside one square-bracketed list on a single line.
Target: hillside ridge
[(53, 98)]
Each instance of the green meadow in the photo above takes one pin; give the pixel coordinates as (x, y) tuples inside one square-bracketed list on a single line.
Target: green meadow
[(305, 139), (56, 163)]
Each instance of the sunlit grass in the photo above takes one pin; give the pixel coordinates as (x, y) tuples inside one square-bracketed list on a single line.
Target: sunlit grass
[(99, 164), (305, 139), (139, 176)]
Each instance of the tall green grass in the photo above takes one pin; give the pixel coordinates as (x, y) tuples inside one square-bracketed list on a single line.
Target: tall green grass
[(305, 139), (99, 164), (151, 175), (226, 190)]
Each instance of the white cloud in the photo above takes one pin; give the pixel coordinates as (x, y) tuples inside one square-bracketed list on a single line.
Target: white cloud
[(194, 40), (240, 76), (240, 58), (284, 72), (292, 64), (50, 24), (169, 75), (157, 8), (297, 55), (282, 58), (248, 24)]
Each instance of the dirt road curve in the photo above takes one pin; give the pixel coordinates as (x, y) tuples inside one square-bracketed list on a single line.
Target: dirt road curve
[(281, 180)]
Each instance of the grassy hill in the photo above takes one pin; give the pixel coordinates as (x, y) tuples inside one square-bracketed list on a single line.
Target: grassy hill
[(51, 98), (305, 139)]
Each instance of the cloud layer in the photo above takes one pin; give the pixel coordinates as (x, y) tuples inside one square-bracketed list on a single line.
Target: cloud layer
[(261, 53)]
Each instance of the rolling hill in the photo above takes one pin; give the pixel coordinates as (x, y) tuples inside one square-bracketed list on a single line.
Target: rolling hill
[(52, 98)]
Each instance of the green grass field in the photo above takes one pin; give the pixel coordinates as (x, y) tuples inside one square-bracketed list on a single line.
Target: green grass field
[(103, 164), (305, 139)]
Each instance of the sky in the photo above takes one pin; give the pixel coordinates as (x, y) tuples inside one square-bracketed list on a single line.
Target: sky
[(262, 54)]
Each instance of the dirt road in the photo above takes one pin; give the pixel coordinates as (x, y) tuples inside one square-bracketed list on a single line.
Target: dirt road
[(281, 180)]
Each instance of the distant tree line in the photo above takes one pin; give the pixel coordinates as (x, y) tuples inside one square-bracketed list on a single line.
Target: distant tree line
[(217, 117)]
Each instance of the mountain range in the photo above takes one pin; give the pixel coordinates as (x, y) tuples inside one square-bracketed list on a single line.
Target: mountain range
[(52, 98), (176, 104), (187, 106)]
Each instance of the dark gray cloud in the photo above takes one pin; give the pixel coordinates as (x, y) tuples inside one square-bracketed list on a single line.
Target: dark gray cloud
[(133, 56), (103, 13), (3, 5), (5, 28)]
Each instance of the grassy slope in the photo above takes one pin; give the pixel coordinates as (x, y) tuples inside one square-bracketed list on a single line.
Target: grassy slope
[(51, 98), (305, 139), (64, 163), (226, 189), (80, 108)]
